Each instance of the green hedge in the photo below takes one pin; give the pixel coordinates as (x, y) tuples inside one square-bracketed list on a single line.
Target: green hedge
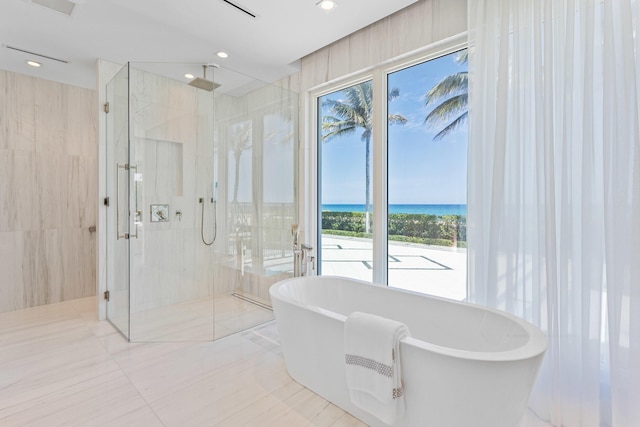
[(344, 221), (417, 228)]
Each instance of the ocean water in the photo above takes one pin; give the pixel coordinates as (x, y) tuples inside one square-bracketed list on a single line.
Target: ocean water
[(408, 209)]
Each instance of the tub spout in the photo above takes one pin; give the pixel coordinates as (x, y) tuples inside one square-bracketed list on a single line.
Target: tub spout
[(295, 232), (297, 262), (305, 259), (297, 251), (301, 252)]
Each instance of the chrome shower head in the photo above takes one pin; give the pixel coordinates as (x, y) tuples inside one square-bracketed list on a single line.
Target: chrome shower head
[(202, 82)]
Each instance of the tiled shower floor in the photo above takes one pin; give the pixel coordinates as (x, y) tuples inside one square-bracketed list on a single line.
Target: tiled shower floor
[(199, 320)]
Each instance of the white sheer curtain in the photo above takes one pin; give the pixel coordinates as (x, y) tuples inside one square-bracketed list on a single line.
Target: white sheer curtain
[(554, 194)]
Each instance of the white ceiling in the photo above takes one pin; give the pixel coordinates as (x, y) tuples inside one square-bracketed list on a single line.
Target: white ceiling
[(180, 31)]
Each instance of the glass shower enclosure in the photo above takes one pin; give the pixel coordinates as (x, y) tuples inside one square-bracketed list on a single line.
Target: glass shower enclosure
[(200, 193)]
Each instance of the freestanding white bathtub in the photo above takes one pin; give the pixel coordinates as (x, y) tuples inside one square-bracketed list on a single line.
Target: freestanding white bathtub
[(464, 365)]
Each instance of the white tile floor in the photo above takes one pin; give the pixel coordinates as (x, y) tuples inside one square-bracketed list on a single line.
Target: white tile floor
[(203, 319), (61, 367)]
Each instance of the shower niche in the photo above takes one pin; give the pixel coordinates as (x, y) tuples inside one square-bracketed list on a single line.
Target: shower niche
[(200, 190)]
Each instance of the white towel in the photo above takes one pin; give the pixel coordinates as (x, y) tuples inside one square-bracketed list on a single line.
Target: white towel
[(372, 358)]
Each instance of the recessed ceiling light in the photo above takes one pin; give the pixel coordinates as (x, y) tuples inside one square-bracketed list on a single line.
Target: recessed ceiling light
[(222, 54), (34, 63), (327, 4), (188, 76)]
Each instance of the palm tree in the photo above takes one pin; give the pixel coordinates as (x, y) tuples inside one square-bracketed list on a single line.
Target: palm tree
[(453, 92), (347, 116), (240, 139)]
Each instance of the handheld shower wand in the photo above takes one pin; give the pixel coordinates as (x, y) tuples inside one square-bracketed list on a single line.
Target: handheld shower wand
[(214, 200)]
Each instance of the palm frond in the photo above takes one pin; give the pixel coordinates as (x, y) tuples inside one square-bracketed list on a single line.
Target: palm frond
[(462, 57), (451, 94), (349, 114), (396, 119), (447, 109), (336, 133), (450, 85), (393, 94), (354, 112), (333, 127), (343, 110), (240, 138), (459, 121)]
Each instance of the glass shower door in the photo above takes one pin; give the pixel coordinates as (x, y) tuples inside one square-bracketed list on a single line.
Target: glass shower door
[(172, 191), (117, 159), (201, 201)]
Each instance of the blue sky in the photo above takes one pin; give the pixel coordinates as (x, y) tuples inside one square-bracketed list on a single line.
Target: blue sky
[(421, 171)]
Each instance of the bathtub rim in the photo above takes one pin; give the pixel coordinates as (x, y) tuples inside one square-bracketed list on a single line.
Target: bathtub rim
[(535, 346)]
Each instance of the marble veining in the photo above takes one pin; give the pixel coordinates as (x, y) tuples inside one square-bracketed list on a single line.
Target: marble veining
[(48, 191)]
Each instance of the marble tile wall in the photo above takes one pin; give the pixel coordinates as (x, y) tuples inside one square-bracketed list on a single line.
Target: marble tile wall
[(48, 191), (172, 148)]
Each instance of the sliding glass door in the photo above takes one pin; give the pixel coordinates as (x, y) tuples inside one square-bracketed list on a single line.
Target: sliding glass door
[(418, 180), (427, 177), (345, 186)]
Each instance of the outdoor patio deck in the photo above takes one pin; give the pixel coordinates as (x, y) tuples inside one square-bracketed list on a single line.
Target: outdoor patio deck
[(427, 269)]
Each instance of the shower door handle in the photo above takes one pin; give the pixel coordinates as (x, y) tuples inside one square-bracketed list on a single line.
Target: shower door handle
[(137, 212), (126, 167)]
